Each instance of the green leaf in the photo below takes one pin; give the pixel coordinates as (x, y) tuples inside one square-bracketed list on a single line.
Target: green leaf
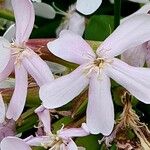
[(63, 121), (99, 27), (89, 142)]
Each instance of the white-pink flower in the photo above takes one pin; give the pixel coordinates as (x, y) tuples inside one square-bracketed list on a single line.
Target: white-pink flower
[(96, 69), (17, 56), (62, 140)]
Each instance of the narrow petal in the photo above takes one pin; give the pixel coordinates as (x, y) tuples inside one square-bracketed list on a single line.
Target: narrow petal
[(10, 33), (18, 99), (44, 10), (143, 10), (64, 89), (8, 69), (100, 110), (133, 32), (77, 24), (135, 79), (72, 145), (38, 141), (88, 7), (71, 47), (5, 53), (14, 143), (72, 132), (38, 69), (2, 110), (135, 56), (24, 15), (44, 116)]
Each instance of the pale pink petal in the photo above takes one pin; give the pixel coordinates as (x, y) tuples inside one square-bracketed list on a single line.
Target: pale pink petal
[(72, 132), (24, 15), (10, 33), (44, 10), (87, 7), (14, 143), (100, 110), (5, 53), (71, 47), (133, 32), (44, 116), (135, 79), (8, 69), (77, 24), (18, 99), (143, 10), (64, 89), (72, 145), (135, 56), (38, 69), (38, 141), (2, 110)]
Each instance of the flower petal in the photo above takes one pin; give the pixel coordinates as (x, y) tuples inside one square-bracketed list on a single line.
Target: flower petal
[(135, 56), (10, 33), (38, 69), (88, 7), (8, 69), (77, 24), (72, 132), (143, 10), (44, 10), (135, 79), (133, 32), (44, 116), (24, 15), (5, 53), (2, 110), (100, 110), (72, 145), (14, 143), (38, 141), (64, 89), (71, 47), (18, 99)]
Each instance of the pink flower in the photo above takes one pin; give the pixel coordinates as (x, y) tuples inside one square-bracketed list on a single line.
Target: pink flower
[(17, 56), (61, 140), (96, 69)]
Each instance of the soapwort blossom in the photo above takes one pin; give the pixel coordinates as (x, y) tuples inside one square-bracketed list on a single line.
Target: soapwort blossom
[(17, 56), (62, 140), (96, 69)]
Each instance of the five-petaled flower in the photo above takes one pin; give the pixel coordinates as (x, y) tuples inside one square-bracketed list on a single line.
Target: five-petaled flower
[(17, 56), (96, 69)]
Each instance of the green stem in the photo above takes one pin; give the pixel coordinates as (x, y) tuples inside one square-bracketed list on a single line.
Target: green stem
[(117, 13)]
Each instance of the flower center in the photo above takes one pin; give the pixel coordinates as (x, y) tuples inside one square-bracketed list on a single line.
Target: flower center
[(97, 66), (53, 143), (19, 52)]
